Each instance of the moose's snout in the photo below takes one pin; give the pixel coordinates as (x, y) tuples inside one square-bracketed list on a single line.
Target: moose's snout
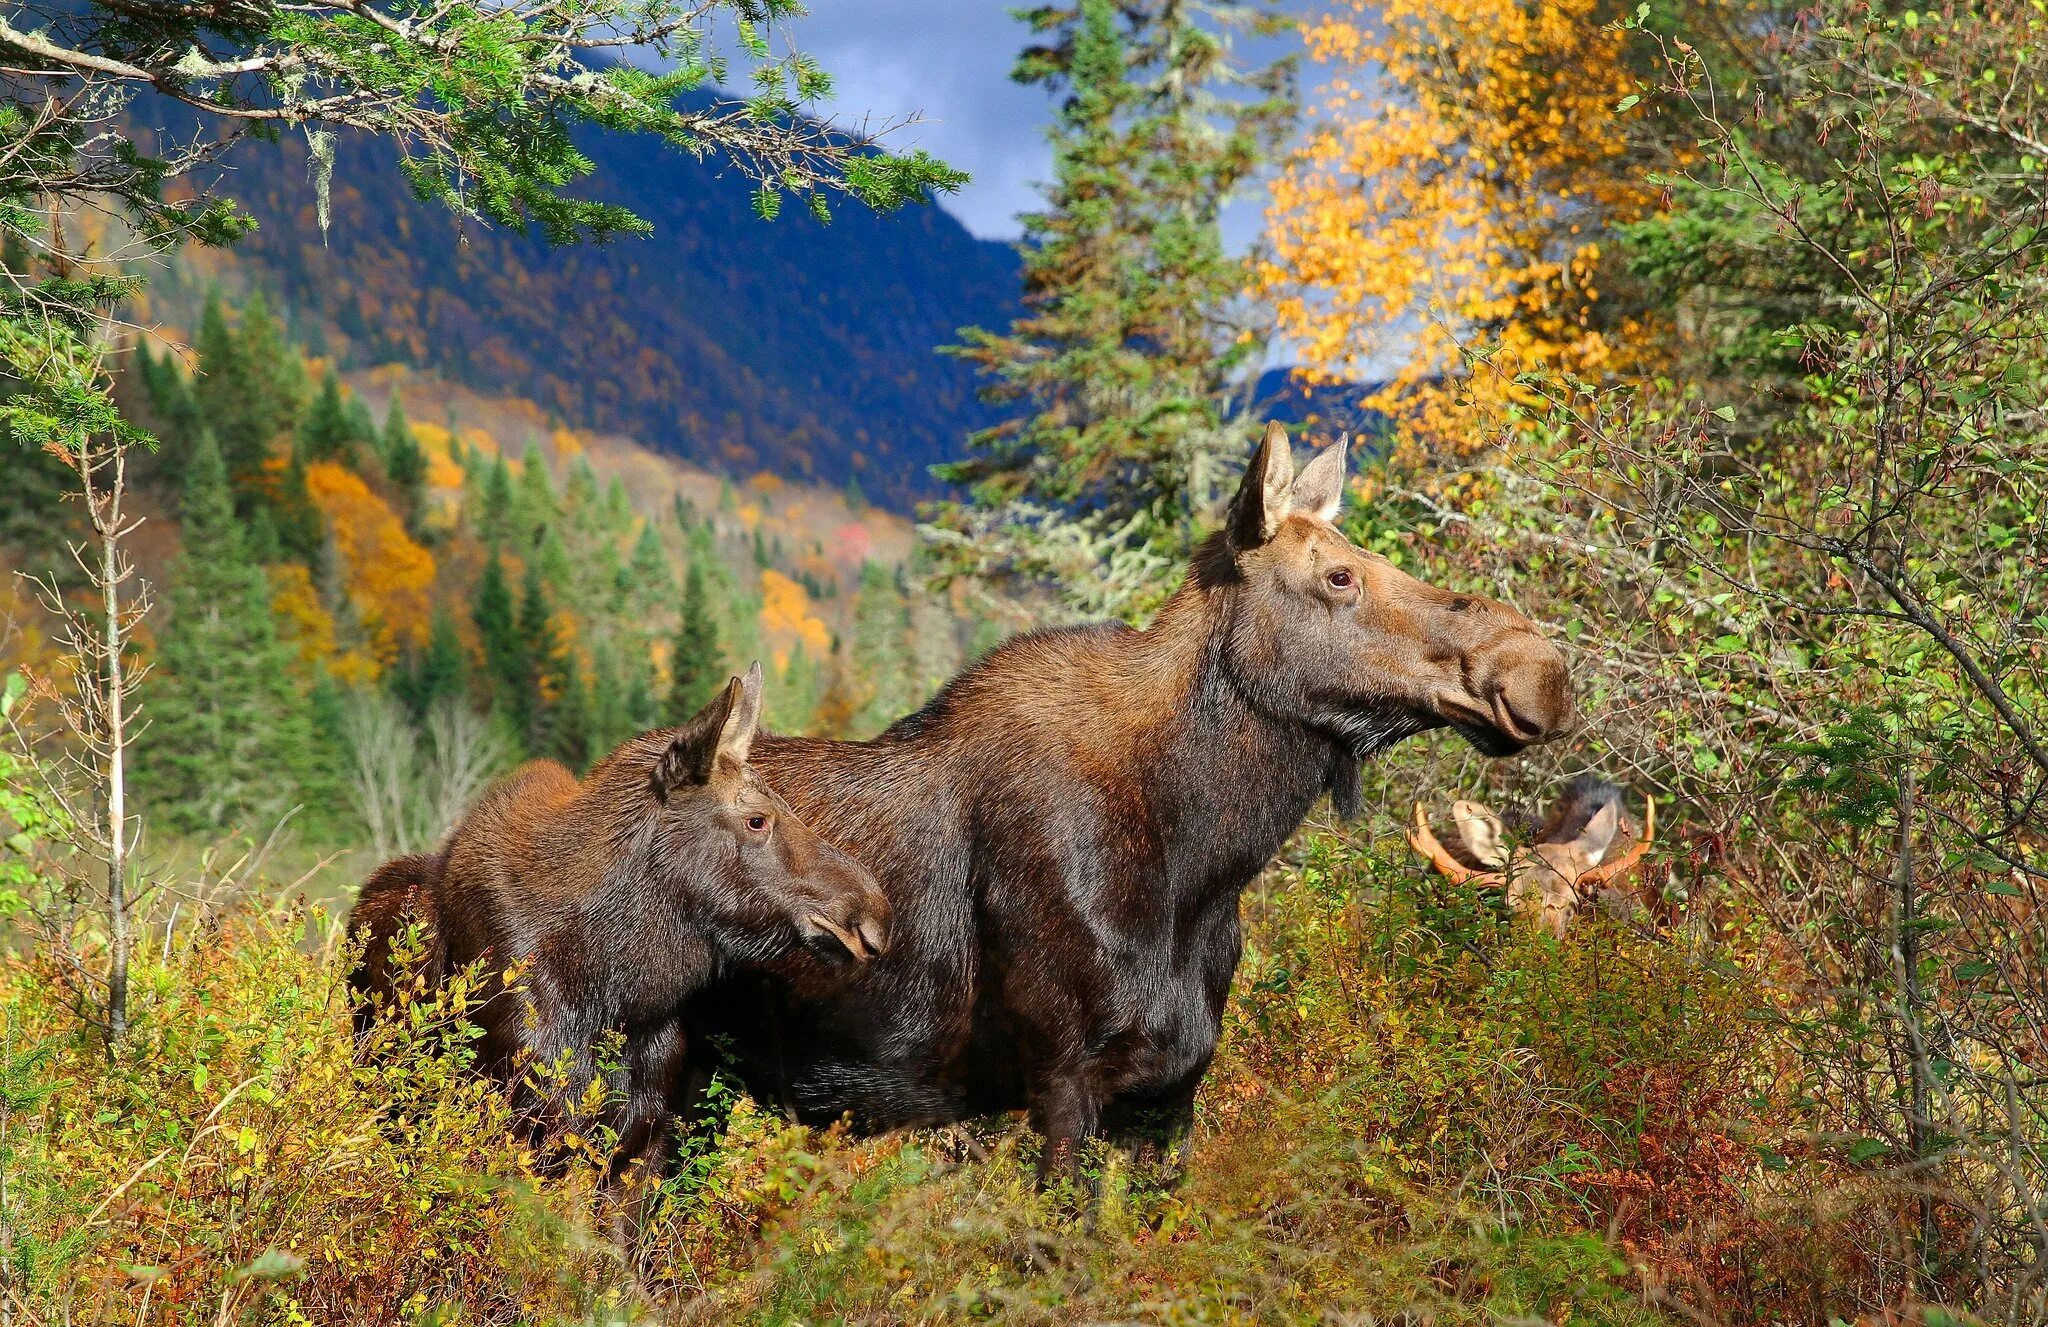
[(1532, 696), (856, 916)]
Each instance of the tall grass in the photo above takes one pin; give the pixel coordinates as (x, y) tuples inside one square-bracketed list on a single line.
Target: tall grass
[(1420, 1112)]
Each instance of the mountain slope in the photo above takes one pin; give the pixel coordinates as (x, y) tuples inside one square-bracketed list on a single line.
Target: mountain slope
[(788, 346)]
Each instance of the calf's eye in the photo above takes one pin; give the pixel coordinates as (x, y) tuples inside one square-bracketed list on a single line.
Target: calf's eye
[(757, 823), (1340, 579)]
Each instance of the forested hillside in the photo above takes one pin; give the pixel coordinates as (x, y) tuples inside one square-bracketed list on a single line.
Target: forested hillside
[(801, 348)]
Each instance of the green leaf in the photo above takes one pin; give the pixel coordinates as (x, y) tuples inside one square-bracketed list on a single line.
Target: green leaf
[(272, 1265), (1627, 102)]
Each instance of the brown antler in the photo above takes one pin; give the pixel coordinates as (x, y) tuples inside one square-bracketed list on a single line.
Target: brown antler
[(1423, 840), (1625, 863)]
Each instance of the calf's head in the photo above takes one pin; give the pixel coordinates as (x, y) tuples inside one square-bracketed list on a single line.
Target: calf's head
[(1341, 639), (747, 870), (1573, 855)]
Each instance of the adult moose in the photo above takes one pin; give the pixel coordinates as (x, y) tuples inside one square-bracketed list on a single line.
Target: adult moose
[(1065, 829), (616, 897)]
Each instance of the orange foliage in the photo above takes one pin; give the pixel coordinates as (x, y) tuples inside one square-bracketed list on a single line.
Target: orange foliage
[(390, 578), (1455, 196)]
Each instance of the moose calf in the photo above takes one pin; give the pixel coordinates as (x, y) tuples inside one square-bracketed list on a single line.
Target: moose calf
[(615, 899), (1565, 863)]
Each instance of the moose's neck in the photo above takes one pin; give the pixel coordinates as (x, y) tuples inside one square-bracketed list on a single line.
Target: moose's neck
[(1230, 780)]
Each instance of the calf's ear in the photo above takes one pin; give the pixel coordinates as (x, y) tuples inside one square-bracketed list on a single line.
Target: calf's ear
[(736, 735), (1598, 835), (1481, 832), (1266, 495), (693, 750)]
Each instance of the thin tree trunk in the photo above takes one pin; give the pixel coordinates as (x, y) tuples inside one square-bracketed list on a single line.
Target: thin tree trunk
[(1919, 1125), (117, 782)]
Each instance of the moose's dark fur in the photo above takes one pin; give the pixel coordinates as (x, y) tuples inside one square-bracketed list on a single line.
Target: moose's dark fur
[(617, 897), (1066, 828)]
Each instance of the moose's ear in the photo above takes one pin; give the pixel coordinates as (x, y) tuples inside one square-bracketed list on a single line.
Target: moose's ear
[(1263, 499), (736, 738), (693, 752), (1481, 830), (1598, 835), (1319, 491)]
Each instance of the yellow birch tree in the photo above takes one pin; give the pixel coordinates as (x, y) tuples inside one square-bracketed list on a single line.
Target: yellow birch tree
[(1452, 198)]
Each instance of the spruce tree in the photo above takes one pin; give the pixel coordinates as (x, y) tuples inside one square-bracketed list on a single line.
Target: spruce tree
[(495, 523), (506, 656), (438, 671), (570, 724), (795, 701), (544, 658), (880, 658), (1120, 372), (696, 665), (300, 530), (405, 464), (227, 731), (649, 581), (249, 393), (618, 508), (327, 433), (610, 721), (535, 510)]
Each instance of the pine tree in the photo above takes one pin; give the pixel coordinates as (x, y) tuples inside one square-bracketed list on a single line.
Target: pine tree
[(557, 568), (405, 465), (249, 393), (880, 657), (227, 730), (300, 530), (506, 655), (1121, 369), (535, 510), (610, 720), (438, 671), (795, 700), (545, 660), (327, 433), (495, 524), (650, 583), (696, 665), (618, 508), (570, 724)]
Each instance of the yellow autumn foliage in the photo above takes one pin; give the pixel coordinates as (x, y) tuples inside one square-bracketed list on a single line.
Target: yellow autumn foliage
[(390, 578), (308, 629), (1451, 196), (786, 613)]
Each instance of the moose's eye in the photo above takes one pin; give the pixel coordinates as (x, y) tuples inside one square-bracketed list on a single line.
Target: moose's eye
[(757, 823), (1341, 578), (1460, 605)]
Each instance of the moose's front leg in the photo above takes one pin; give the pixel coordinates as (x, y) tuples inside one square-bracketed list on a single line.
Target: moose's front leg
[(647, 1134), (1066, 1110)]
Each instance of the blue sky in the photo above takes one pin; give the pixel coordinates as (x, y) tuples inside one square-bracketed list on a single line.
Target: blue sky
[(950, 60)]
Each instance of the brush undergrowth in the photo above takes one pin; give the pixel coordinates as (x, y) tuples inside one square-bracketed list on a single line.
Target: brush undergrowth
[(1420, 1112)]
